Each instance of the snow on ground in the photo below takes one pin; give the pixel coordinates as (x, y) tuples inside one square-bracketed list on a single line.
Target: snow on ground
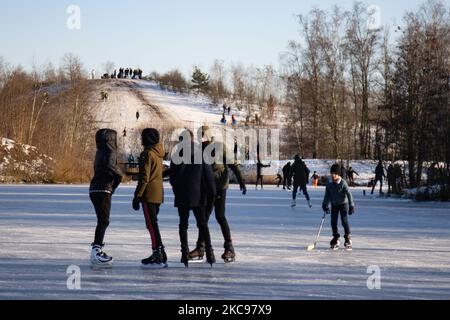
[(44, 229), (187, 108)]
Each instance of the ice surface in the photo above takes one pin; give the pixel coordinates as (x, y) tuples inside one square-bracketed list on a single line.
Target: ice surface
[(45, 229)]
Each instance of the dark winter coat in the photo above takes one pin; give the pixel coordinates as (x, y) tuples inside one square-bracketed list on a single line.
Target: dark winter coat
[(259, 167), (300, 173), (287, 170), (193, 184), (107, 176), (338, 194), (379, 172), (150, 185), (221, 169)]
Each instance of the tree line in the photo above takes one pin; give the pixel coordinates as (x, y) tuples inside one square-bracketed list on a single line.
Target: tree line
[(49, 108)]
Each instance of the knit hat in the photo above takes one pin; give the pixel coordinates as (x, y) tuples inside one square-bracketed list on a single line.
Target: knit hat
[(336, 169), (150, 137)]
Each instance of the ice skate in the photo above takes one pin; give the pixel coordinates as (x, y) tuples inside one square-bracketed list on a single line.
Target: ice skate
[(229, 255), (157, 260), (334, 243), (99, 258), (348, 243), (197, 255)]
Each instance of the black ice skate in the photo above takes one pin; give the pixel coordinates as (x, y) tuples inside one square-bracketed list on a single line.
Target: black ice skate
[(348, 243), (334, 243), (229, 255), (210, 258), (197, 255), (157, 260), (185, 256)]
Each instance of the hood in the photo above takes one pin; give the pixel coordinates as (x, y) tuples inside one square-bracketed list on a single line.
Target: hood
[(150, 137), (106, 139), (158, 149), (297, 158)]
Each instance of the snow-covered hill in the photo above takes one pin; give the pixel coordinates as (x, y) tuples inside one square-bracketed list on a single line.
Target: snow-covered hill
[(23, 163)]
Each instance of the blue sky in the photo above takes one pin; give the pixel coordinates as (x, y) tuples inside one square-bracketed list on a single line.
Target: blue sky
[(161, 34)]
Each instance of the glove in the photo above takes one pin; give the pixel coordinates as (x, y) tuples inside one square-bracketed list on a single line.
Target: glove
[(136, 204), (244, 189), (351, 210), (326, 208)]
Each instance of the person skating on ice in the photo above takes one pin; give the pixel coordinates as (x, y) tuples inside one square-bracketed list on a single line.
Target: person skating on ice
[(338, 194), (194, 187), (259, 176), (107, 178), (220, 169), (287, 176), (300, 175), (150, 193), (379, 175)]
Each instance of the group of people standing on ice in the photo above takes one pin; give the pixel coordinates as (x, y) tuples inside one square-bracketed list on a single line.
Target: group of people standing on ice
[(198, 187)]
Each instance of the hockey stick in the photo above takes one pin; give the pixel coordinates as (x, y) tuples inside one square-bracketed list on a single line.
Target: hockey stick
[(313, 246)]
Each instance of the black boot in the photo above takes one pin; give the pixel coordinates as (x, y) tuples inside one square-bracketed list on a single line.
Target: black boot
[(348, 242), (162, 254), (155, 260), (185, 256), (228, 255), (334, 243), (210, 258), (198, 253)]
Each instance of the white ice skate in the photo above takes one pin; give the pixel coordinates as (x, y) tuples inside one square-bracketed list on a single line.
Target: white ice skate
[(100, 258)]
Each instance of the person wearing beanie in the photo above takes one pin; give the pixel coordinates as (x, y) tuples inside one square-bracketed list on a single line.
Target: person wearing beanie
[(150, 193), (220, 168), (338, 194), (194, 187)]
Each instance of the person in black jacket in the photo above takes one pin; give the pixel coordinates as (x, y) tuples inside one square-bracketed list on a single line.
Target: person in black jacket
[(287, 179), (351, 177), (379, 175), (300, 174), (221, 176), (259, 176), (107, 178), (194, 187)]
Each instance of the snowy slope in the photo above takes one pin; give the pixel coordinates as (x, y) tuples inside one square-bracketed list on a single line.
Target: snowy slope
[(45, 229), (21, 162)]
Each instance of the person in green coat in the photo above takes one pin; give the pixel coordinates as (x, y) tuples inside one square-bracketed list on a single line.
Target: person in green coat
[(150, 193), (220, 170)]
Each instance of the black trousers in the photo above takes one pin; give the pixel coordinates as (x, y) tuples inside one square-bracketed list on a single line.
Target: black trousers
[(219, 207), (151, 211), (302, 188), (375, 183), (286, 182), (202, 224), (259, 178), (102, 205), (335, 212)]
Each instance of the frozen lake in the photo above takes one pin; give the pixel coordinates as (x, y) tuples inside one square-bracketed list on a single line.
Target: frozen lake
[(45, 229)]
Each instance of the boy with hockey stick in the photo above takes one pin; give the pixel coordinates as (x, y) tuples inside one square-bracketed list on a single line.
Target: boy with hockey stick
[(150, 193), (107, 178), (338, 193)]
